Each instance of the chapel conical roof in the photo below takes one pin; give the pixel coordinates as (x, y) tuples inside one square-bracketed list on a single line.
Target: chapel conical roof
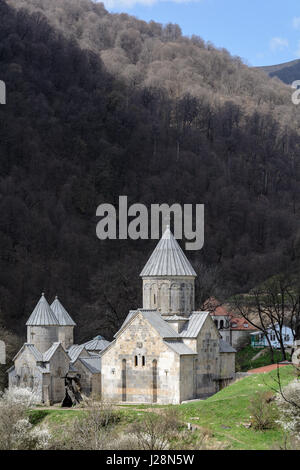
[(168, 259), (61, 313), (42, 315)]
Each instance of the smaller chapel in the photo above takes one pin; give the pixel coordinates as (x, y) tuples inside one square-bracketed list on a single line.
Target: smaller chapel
[(49, 363), (165, 352)]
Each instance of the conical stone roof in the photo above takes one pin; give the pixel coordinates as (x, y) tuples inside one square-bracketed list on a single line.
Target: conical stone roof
[(42, 315), (61, 313), (168, 259)]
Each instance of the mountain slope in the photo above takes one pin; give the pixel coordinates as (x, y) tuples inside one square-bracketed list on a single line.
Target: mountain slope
[(152, 55), (287, 72)]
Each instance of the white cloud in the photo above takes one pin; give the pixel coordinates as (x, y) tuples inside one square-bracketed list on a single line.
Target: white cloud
[(130, 3), (296, 22), (278, 44)]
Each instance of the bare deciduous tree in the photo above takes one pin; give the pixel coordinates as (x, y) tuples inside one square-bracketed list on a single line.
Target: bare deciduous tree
[(276, 302)]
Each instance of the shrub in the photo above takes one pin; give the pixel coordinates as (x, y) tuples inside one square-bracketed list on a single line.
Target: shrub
[(93, 430), (264, 413), (155, 431)]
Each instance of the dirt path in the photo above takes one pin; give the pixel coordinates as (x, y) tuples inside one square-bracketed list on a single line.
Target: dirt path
[(262, 370)]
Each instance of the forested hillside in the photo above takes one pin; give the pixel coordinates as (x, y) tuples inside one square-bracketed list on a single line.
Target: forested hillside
[(76, 132), (154, 55)]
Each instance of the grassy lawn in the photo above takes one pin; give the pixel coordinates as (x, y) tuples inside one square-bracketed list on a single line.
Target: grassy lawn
[(224, 413), (221, 416), (244, 362), (56, 419)]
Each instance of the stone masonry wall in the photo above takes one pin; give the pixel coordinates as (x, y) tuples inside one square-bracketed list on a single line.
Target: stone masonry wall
[(137, 381), (42, 336), (66, 336), (169, 295), (227, 366), (186, 378), (207, 364), (59, 366)]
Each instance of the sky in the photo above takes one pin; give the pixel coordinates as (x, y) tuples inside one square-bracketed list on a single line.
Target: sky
[(261, 32)]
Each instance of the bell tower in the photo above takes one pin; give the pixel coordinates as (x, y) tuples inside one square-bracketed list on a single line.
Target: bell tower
[(42, 326), (169, 279), (66, 324)]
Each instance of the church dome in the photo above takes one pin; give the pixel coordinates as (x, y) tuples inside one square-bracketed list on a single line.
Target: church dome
[(42, 315), (168, 259), (61, 314)]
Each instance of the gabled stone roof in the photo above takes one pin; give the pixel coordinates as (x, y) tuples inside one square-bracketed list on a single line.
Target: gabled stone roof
[(42, 315), (180, 348), (32, 349), (49, 353), (194, 324), (96, 344), (75, 350), (61, 313), (168, 259), (155, 319), (161, 324), (93, 364)]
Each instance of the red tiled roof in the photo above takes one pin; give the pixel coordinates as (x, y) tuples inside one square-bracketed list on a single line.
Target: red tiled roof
[(216, 309), (240, 322), (220, 312)]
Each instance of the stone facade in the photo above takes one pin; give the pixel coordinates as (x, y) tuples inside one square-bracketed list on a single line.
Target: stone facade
[(90, 381), (58, 370), (139, 367)]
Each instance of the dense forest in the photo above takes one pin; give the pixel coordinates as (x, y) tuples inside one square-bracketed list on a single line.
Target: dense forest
[(102, 105)]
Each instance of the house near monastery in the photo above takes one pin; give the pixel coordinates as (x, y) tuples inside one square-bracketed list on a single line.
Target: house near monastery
[(165, 352), (234, 329), (259, 340)]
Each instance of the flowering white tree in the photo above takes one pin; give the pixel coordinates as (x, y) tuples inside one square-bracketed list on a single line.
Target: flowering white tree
[(21, 395), (16, 431), (289, 404)]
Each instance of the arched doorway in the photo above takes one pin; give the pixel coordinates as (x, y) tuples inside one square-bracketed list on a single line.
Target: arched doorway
[(124, 380), (154, 381)]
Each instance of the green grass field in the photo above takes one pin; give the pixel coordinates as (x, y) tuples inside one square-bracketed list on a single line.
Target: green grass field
[(225, 412), (221, 416)]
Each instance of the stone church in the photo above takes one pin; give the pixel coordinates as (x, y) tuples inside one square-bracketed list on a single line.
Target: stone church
[(165, 352), (55, 368)]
